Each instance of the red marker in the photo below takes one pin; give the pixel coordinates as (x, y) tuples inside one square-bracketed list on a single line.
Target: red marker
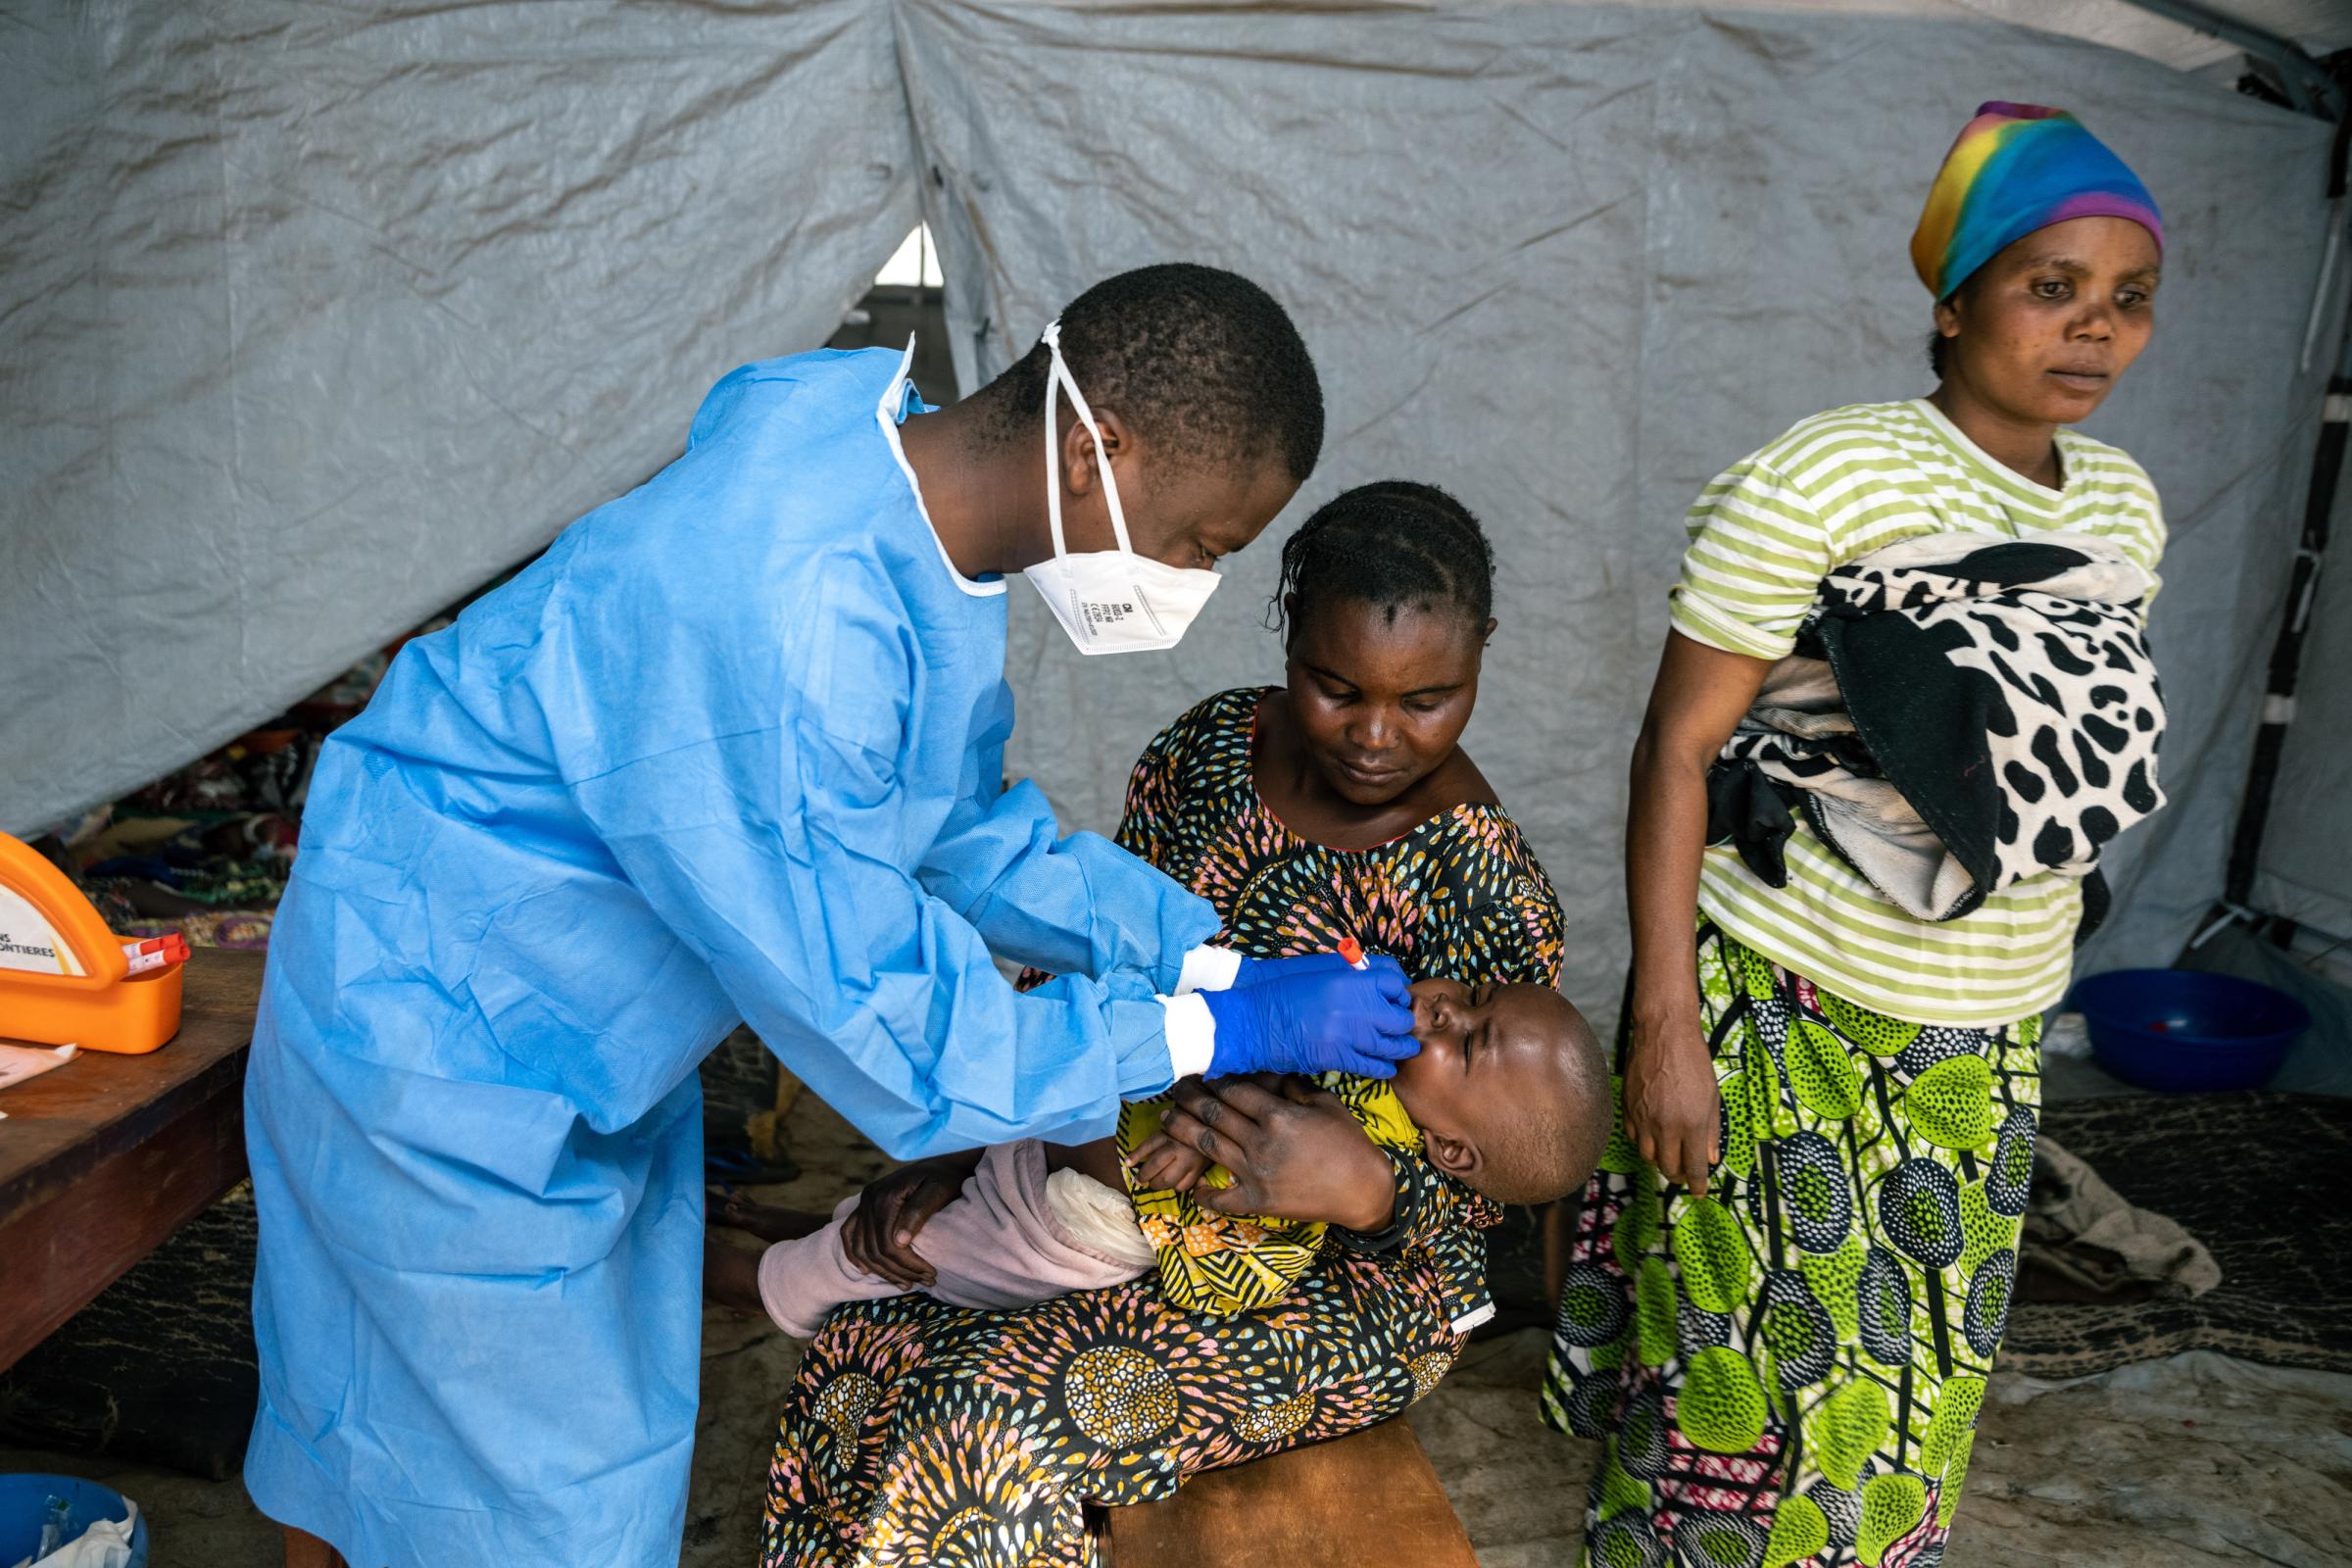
[(155, 952), (1354, 952)]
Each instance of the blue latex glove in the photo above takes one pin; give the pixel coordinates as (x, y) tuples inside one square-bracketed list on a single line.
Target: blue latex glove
[(1254, 970), (1306, 1016)]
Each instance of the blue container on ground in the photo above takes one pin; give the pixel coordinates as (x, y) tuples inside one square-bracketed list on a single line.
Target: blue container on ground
[(2185, 1031), (24, 1500)]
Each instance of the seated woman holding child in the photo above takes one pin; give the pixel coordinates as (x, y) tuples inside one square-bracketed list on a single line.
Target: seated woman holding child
[(1249, 1265)]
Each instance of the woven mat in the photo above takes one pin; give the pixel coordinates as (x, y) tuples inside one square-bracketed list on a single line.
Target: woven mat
[(2255, 1178)]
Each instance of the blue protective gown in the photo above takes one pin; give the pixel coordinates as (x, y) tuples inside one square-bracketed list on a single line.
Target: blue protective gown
[(729, 751)]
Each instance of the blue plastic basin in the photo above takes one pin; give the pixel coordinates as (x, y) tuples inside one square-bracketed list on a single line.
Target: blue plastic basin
[(2184, 1031), (24, 1498)]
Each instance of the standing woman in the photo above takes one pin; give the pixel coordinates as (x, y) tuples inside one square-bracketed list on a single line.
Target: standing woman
[(1791, 1274)]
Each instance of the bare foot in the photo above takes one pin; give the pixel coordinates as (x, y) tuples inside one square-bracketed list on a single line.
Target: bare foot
[(306, 1551), (731, 1276), (769, 1223)]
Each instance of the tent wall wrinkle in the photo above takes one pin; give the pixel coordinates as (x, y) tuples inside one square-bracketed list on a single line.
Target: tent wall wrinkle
[(312, 320), (1569, 262)]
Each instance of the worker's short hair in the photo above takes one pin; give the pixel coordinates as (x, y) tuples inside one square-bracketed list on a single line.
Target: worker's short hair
[(1198, 361)]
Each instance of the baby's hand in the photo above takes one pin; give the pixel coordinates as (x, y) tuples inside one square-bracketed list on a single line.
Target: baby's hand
[(1163, 1164)]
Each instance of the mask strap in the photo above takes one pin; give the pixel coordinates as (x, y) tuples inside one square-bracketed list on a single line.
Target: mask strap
[(1058, 377)]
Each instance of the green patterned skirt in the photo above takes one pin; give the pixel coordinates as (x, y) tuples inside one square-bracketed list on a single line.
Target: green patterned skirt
[(1788, 1370)]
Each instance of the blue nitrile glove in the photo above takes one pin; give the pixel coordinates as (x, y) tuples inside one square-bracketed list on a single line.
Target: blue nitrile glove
[(1304, 1016), (1253, 970)]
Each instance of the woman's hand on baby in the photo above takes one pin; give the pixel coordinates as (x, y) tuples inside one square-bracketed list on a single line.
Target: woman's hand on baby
[(1673, 1110), (1168, 1166), (878, 1238), (1294, 1151)]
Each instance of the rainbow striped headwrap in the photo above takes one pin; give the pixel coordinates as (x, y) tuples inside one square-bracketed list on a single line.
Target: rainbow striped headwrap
[(2017, 168)]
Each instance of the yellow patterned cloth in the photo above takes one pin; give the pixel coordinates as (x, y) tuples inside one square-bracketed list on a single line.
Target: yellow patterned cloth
[(1222, 1263)]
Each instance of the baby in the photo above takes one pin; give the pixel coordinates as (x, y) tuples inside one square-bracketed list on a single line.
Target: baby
[(1509, 1095)]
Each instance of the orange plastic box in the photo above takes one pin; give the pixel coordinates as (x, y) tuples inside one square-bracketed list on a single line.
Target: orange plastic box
[(83, 993)]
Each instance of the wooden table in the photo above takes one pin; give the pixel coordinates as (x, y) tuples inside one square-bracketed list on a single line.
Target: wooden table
[(102, 1159)]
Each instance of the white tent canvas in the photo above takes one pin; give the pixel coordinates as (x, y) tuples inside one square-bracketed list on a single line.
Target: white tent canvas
[(312, 318)]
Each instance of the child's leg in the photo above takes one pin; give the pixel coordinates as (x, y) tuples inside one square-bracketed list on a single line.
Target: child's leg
[(997, 1245), (730, 1275), (803, 1280), (735, 1211), (1099, 1159), (1021, 1239)]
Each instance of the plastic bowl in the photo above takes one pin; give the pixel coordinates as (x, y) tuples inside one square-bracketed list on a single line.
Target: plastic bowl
[(24, 1497), (2184, 1031)]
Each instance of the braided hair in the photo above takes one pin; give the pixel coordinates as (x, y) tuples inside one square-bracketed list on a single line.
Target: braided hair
[(1394, 545)]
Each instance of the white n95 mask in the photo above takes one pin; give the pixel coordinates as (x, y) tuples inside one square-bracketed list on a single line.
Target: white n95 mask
[(1108, 601)]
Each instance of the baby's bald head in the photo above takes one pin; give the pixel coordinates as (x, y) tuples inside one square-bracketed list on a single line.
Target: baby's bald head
[(1511, 1090)]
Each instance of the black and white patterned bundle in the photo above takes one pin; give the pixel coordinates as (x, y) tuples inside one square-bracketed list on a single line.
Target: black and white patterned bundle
[(1957, 716)]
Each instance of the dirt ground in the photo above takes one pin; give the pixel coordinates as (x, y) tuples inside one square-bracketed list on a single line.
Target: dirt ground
[(2195, 1462)]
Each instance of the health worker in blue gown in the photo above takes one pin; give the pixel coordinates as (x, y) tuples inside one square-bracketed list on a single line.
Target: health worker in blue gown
[(730, 752)]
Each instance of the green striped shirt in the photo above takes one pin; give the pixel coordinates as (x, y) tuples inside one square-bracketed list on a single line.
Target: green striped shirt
[(1763, 534)]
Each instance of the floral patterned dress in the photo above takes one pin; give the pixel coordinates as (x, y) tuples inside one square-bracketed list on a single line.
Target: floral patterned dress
[(923, 1433), (1786, 1372)]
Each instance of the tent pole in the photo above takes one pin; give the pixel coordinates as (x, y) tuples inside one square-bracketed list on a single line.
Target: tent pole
[(2286, 653), (2308, 85)]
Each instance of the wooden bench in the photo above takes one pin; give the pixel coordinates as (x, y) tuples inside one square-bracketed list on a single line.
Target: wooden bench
[(1368, 1497), (104, 1157)]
